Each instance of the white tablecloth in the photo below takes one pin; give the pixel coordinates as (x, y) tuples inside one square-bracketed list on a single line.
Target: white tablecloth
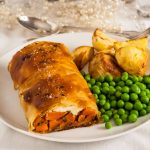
[(9, 139)]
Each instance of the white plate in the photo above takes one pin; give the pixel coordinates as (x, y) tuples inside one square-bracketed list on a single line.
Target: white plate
[(11, 113)]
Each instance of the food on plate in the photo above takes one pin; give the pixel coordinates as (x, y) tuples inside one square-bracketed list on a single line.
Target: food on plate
[(138, 43), (122, 99), (101, 41), (82, 55), (132, 59), (52, 92), (103, 64)]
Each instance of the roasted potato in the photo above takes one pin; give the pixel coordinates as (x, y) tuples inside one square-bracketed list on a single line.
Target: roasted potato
[(103, 64), (138, 43), (82, 55), (132, 60), (101, 41)]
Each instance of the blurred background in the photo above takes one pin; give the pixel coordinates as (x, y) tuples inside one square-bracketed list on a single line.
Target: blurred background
[(109, 15)]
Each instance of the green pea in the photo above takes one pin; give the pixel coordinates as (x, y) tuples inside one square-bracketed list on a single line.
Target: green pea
[(134, 112), (118, 88), (124, 118), (112, 83), (114, 111), (100, 79), (144, 99), (143, 112), (92, 81), (125, 97), (117, 79), (121, 83), (129, 82), (128, 105), (98, 84), (108, 125), (133, 96), (105, 84), (135, 79), (146, 80), (124, 76), (140, 78), (109, 113), (105, 90), (102, 96), (96, 96), (105, 118), (112, 90), (141, 86), (112, 97), (120, 103), (89, 85), (125, 89), (116, 116), (82, 72), (97, 100), (107, 106), (102, 110), (118, 121), (144, 106), (113, 103), (102, 102), (138, 106), (147, 91), (148, 95), (135, 89), (87, 77), (108, 78), (148, 109), (95, 89), (118, 94), (132, 118), (143, 93), (121, 111)]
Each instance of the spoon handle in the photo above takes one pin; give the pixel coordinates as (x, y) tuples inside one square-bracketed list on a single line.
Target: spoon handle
[(127, 34)]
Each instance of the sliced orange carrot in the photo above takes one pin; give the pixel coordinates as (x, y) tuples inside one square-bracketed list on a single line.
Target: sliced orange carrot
[(54, 115), (38, 120), (54, 124), (42, 128), (63, 125), (81, 118), (88, 111), (70, 117)]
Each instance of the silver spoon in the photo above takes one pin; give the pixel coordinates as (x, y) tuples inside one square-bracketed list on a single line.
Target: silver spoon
[(44, 28)]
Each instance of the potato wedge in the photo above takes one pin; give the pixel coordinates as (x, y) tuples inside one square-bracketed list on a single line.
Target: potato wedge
[(82, 55), (101, 41), (103, 64), (138, 43), (132, 60)]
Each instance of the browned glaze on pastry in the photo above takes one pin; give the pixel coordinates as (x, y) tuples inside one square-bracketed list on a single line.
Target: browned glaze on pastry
[(49, 82)]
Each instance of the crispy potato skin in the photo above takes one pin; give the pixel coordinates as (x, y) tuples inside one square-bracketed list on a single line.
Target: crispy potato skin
[(103, 64), (101, 41), (132, 60), (82, 55)]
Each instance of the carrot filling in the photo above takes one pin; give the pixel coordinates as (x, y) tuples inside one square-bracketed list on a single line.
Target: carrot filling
[(54, 121)]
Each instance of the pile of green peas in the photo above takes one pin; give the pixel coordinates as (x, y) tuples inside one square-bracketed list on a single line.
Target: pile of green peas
[(122, 99)]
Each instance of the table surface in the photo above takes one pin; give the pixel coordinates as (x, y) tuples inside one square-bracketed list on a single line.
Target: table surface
[(10, 139)]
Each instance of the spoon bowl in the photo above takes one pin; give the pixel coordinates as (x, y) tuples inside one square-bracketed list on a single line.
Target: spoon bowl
[(38, 26)]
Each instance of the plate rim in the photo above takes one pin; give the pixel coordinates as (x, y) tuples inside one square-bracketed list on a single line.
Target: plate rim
[(38, 136)]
